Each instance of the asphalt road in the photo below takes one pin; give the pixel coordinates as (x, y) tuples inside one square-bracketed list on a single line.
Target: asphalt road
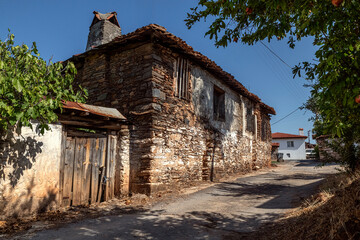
[(216, 212)]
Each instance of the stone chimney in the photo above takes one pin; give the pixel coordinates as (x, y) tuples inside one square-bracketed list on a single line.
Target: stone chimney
[(301, 131), (103, 29)]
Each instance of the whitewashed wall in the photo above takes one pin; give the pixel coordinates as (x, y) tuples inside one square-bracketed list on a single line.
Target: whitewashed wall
[(29, 171), (296, 153)]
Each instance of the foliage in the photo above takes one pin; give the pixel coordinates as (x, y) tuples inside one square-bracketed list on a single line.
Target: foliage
[(346, 152), (335, 29), (31, 89), (317, 152)]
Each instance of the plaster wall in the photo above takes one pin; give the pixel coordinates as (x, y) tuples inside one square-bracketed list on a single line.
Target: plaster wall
[(296, 153), (29, 171)]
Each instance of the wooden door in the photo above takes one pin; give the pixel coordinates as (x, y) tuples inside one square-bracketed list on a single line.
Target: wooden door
[(88, 169)]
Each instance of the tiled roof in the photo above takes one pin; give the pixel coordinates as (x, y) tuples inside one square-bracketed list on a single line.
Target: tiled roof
[(274, 144), (278, 135), (176, 43)]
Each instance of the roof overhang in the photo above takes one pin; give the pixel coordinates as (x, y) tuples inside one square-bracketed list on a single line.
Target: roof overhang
[(162, 36), (85, 115)]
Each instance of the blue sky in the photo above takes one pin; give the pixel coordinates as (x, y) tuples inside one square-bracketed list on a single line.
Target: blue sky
[(60, 29)]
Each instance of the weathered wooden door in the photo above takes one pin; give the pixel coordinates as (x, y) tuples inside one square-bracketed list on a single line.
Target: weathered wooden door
[(88, 169)]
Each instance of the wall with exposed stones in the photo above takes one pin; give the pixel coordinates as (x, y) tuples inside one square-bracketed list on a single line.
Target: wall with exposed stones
[(172, 142), (122, 79), (122, 166), (326, 152), (190, 145), (29, 171)]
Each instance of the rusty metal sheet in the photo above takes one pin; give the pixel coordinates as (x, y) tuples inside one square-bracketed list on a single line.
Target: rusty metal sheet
[(97, 110)]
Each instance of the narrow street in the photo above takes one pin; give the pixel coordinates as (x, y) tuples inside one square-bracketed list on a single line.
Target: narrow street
[(216, 212)]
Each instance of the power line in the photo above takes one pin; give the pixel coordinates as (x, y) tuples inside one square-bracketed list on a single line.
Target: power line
[(277, 69), (285, 116), (275, 54)]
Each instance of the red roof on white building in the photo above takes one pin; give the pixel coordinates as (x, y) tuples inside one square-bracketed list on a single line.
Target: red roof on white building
[(278, 135)]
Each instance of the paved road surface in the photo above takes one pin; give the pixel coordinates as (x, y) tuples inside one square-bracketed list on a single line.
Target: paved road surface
[(229, 207)]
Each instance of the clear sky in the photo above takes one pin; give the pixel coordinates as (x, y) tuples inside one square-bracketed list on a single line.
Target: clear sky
[(60, 29)]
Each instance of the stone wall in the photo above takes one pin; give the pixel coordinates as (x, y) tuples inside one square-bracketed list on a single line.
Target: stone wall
[(122, 79), (326, 152), (173, 142), (190, 145), (29, 171), (122, 166)]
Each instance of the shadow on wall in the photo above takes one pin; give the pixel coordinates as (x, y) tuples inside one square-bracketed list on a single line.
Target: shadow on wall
[(17, 154), (25, 203)]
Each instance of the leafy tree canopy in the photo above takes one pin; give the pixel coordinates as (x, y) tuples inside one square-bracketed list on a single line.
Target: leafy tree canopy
[(31, 89), (335, 27)]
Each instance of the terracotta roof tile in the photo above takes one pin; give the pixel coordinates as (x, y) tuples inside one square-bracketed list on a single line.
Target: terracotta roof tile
[(278, 135)]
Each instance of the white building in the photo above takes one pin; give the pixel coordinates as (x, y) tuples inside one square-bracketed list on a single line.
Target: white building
[(291, 146)]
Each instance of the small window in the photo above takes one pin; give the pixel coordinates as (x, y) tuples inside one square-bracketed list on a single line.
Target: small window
[(182, 76), (288, 154), (219, 104), (250, 120), (290, 143), (264, 129)]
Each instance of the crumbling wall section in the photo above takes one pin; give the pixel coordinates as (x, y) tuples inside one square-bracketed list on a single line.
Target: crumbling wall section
[(122, 170), (190, 144), (172, 141)]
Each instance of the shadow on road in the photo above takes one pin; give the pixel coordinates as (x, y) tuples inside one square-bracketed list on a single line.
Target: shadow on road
[(157, 225), (280, 193)]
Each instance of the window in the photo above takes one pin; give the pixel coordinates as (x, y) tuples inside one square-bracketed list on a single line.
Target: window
[(264, 129), (219, 104), (290, 143), (250, 120), (182, 77)]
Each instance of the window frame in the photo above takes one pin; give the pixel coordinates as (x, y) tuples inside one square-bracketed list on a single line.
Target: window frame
[(182, 78), (219, 104), (290, 144), (264, 129), (250, 118)]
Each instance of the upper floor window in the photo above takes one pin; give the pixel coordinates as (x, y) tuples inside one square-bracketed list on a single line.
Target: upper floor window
[(290, 144), (264, 129), (182, 78), (219, 104), (250, 120)]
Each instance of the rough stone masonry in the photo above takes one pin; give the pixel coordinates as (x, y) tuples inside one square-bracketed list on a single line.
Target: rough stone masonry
[(190, 120)]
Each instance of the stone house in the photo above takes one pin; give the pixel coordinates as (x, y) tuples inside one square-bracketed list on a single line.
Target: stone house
[(190, 120)]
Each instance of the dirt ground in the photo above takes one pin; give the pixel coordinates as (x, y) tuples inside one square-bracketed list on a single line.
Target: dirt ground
[(208, 211)]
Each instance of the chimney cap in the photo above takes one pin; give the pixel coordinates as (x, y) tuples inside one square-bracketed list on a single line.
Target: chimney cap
[(103, 29), (301, 129), (111, 17)]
